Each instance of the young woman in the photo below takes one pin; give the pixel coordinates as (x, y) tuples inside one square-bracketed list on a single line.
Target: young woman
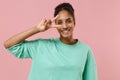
[(63, 58)]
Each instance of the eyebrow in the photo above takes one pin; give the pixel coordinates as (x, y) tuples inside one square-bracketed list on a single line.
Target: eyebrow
[(66, 19), (69, 18)]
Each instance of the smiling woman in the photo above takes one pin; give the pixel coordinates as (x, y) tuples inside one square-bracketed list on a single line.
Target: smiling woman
[(63, 58), (67, 21), (67, 25)]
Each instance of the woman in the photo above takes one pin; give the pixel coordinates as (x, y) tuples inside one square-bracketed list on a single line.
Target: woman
[(63, 58)]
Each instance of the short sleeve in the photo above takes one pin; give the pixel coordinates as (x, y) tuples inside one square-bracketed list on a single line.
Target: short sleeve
[(25, 49), (90, 70)]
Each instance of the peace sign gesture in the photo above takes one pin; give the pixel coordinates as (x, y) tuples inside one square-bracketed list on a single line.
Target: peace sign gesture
[(46, 24)]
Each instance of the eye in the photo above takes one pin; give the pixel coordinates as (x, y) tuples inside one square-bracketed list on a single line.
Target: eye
[(59, 22), (69, 21)]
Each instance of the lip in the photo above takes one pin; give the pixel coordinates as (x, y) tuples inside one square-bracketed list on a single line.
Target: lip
[(65, 31)]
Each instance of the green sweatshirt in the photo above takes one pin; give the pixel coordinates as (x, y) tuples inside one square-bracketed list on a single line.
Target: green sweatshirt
[(54, 60)]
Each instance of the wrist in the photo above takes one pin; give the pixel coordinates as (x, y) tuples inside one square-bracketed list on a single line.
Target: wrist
[(35, 29)]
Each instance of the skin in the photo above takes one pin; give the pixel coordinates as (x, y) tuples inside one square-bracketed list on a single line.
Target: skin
[(63, 21), (67, 25)]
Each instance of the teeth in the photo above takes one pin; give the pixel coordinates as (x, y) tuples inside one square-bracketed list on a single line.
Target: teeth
[(65, 31)]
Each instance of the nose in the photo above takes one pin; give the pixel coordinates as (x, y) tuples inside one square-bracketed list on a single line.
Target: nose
[(64, 25)]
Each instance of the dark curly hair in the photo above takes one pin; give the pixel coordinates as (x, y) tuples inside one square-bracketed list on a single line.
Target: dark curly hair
[(64, 6)]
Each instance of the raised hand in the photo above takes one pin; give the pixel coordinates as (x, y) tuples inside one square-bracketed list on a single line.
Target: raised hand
[(46, 24), (42, 26)]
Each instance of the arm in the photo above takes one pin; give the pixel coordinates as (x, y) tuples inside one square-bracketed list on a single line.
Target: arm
[(90, 70), (20, 37), (41, 27)]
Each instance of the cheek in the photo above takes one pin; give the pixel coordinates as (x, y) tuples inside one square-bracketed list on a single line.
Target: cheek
[(71, 25)]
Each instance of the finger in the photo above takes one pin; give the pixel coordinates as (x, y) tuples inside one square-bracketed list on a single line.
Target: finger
[(48, 22), (42, 21), (53, 19), (55, 26), (45, 22)]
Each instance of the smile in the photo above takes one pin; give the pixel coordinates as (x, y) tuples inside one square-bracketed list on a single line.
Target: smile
[(65, 31)]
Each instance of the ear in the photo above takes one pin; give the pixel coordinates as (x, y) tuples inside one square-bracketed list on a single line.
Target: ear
[(74, 22)]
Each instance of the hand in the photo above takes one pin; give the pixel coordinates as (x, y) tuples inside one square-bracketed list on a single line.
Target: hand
[(46, 24)]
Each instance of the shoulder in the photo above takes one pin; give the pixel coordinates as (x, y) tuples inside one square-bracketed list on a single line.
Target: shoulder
[(44, 41), (84, 45), (39, 40)]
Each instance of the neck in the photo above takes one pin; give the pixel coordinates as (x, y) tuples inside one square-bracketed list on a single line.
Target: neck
[(68, 40)]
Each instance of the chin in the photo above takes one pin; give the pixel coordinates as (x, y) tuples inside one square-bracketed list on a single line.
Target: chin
[(65, 36)]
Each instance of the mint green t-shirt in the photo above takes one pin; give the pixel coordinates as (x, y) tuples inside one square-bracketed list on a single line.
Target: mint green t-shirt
[(54, 60)]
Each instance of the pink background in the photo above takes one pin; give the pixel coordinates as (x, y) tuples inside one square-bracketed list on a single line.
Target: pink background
[(97, 24)]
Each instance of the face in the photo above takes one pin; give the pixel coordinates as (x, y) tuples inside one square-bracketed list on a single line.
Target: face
[(66, 22)]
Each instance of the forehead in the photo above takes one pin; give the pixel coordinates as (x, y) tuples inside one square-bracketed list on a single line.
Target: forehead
[(63, 15)]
